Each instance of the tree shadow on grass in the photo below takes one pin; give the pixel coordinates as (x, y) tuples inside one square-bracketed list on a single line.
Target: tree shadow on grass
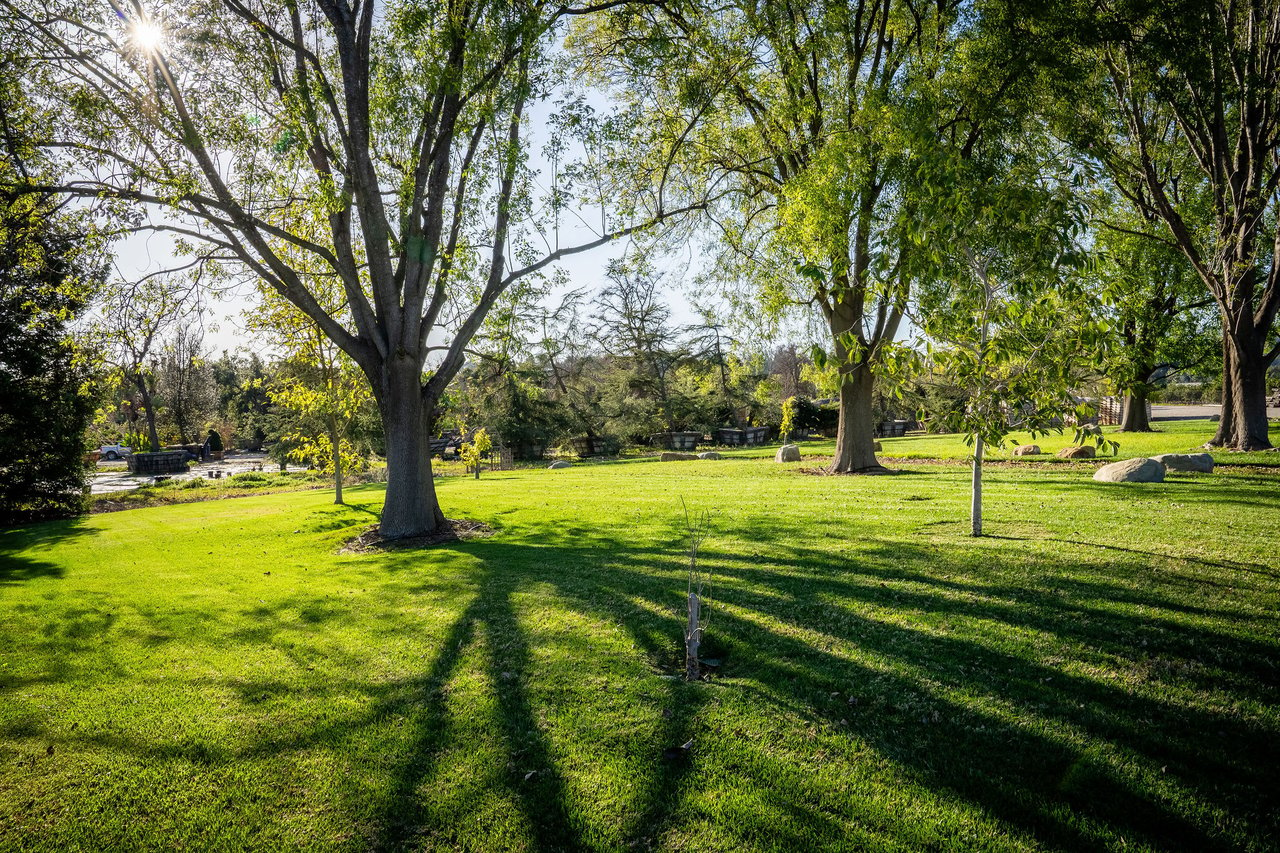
[(18, 568), (1046, 696), (1051, 786)]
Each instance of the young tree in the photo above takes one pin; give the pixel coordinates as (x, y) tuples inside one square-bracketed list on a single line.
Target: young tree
[(997, 242), (377, 145), (317, 384)]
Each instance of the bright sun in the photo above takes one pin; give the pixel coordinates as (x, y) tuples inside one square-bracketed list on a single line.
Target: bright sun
[(147, 36)]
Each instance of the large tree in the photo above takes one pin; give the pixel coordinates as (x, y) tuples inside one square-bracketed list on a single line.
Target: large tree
[(1161, 321), (380, 145), (816, 116), (1190, 122), (45, 402)]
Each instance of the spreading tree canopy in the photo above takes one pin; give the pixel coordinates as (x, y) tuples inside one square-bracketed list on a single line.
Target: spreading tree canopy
[(381, 146)]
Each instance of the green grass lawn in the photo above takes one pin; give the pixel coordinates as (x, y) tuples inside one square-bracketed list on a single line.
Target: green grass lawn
[(1170, 437), (1103, 672)]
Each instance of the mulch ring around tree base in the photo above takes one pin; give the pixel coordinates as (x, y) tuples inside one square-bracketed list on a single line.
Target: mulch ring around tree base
[(454, 529)]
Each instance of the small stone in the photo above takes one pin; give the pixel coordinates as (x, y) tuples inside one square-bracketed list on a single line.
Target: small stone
[(556, 466), (1137, 470), (875, 445), (1201, 463), (1213, 419), (788, 453), (674, 456), (709, 454), (1027, 450), (1083, 452)]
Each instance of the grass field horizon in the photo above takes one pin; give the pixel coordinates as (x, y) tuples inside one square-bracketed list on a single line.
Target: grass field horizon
[(1098, 673)]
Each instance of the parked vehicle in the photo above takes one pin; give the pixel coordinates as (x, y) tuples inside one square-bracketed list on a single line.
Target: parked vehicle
[(112, 452)]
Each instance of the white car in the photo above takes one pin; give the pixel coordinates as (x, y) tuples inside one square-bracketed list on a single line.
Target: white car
[(113, 452)]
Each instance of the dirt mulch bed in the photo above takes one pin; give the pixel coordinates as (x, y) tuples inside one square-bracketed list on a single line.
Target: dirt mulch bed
[(454, 529)]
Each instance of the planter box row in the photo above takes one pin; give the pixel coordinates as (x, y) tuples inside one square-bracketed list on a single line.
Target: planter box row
[(742, 437), (675, 440)]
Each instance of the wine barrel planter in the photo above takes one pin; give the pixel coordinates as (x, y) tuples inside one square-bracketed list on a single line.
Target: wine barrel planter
[(164, 462), (590, 445), (685, 441)]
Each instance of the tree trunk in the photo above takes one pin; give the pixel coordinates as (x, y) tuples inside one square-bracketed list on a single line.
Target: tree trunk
[(1227, 407), (410, 508), (855, 437), (693, 638), (1243, 424), (1249, 386), (145, 394), (975, 498), (336, 447), (1134, 417)]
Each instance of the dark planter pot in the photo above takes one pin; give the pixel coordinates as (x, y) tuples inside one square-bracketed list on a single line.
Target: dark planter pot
[(893, 429), (165, 462), (676, 440), (590, 446), (527, 450), (731, 437)]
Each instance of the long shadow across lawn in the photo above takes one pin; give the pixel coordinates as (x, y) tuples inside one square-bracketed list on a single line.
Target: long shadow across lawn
[(1045, 785), (878, 644)]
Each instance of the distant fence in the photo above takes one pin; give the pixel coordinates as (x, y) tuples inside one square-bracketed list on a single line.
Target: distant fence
[(1111, 411)]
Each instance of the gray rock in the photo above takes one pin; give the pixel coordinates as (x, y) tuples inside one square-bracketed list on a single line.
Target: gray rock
[(1201, 463), (710, 454), (673, 456), (1027, 450), (1137, 470), (556, 466), (1213, 419), (1084, 452), (788, 453), (875, 445)]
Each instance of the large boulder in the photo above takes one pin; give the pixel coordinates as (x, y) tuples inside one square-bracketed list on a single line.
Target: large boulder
[(556, 466), (1027, 450), (673, 456), (1137, 470), (1086, 451), (1200, 463), (709, 454), (788, 453)]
